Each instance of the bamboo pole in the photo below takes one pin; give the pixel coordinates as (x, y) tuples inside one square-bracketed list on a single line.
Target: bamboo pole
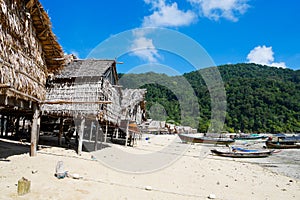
[(34, 130), (80, 139)]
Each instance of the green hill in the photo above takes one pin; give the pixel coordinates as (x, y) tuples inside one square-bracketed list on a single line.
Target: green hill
[(259, 98)]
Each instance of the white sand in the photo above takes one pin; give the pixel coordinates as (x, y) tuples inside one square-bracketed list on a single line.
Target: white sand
[(190, 177)]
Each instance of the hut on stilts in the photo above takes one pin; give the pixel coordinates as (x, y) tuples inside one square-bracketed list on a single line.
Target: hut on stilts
[(29, 51), (40, 86), (87, 93), (132, 116)]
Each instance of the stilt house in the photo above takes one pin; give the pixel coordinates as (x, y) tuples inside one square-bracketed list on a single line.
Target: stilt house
[(28, 52), (88, 92)]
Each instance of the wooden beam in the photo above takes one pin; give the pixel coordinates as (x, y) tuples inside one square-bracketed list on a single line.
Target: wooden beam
[(4, 85), (76, 102), (35, 130), (81, 131), (23, 94)]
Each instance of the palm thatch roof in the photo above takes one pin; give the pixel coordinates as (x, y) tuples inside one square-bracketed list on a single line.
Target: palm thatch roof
[(87, 68), (52, 50), (28, 51)]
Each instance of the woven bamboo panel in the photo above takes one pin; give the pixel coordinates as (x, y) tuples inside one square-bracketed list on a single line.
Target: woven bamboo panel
[(24, 44)]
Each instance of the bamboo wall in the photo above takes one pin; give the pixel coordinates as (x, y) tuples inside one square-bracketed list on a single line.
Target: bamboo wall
[(86, 93), (132, 101), (22, 64)]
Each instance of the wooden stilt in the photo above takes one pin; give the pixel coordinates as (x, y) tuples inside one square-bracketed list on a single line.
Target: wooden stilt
[(17, 126), (117, 132), (2, 125), (35, 130), (96, 137), (91, 132), (61, 129), (23, 125), (127, 133), (6, 126), (105, 136), (80, 139)]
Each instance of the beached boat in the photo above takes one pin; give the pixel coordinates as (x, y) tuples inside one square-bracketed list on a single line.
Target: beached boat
[(250, 137), (203, 139), (281, 141), (242, 153), (284, 144)]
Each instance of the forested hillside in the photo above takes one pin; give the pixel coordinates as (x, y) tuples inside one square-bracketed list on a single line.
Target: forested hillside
[(259, 98)]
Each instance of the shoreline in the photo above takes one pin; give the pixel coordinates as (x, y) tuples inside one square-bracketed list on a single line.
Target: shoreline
[(195, 175)]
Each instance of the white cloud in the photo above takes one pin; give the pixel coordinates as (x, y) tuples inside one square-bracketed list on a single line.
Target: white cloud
[(167, 15), (216, 9), (143, 47), (265, 56)]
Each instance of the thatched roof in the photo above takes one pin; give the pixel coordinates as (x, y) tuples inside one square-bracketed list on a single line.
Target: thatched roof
[(86, 68), (52, 50), (132, 97)]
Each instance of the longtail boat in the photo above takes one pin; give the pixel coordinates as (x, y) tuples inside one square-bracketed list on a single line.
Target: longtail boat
[(242, 153), (189, 138)]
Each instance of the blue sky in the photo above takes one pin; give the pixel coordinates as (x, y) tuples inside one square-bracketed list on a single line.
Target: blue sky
[(230, 31)]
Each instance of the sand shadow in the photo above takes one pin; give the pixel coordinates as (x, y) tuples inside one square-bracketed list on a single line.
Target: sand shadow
[(10, 148)]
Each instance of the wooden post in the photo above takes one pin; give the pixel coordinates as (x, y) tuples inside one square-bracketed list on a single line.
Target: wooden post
[(117, 134), (61, 129), (126, 141), (105, 136), (23, 125), (81, 130), (35, 130), (91, 133), (2, 125), (96, 137), (17, 126), (6, 126)]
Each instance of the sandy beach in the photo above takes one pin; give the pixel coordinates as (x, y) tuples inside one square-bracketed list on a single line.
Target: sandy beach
[(194, 174)]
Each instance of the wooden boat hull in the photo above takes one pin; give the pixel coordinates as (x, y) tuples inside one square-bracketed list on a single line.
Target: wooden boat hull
[(282, 145), (251, 138), (207, 140), (239, 154)]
